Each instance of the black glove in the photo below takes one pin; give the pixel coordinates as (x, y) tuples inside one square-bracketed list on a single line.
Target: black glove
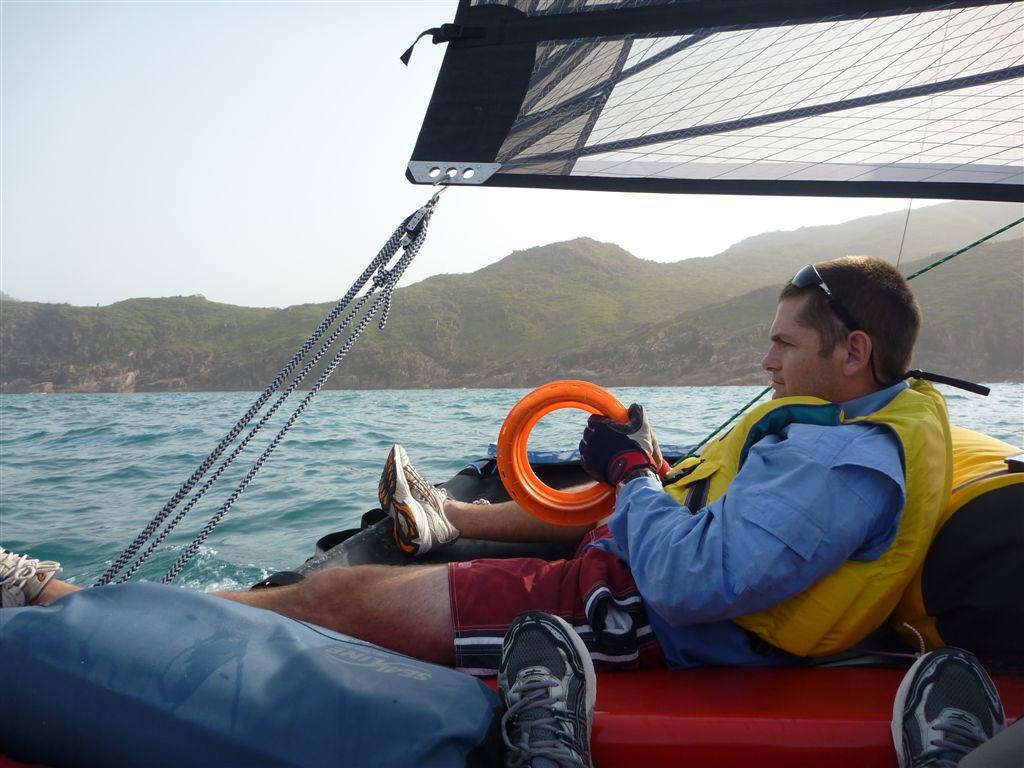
[(610, 450)]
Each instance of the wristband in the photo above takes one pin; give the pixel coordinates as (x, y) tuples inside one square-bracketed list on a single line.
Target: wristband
[(633, 474)]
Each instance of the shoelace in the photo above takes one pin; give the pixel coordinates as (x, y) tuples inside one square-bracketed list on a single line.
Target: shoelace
[(959, 740), (420, 486), (441, 528), (534, 696), (21, 569)]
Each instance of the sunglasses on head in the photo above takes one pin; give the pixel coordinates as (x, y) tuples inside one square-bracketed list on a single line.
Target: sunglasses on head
[(809, 276)]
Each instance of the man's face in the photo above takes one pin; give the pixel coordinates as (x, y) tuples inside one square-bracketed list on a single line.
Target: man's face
[(794, 359)]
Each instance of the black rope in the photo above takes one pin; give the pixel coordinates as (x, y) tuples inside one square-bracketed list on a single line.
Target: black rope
[(408, 237), (966, 248)]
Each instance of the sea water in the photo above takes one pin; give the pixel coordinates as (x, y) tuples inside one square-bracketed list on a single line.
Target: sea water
[(81, 475)]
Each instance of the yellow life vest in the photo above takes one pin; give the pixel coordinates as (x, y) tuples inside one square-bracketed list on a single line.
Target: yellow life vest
[(974, 563), (845, 606)]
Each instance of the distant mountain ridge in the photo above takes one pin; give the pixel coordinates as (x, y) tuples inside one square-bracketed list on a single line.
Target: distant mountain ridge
[(578, 308)]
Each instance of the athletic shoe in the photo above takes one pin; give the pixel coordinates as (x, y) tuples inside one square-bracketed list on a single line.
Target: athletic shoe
[(23, 578), (415, 505), (546, 682), (946, 706)]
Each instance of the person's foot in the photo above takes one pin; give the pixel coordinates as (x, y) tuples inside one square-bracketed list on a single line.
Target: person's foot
[(946, 706), (23, 578), (547, 684), (415, 505)]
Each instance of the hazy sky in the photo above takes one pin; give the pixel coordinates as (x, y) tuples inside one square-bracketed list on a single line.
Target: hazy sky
[(254, 152)]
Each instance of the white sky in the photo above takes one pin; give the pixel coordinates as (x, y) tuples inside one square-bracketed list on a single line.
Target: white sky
[(254, 152)]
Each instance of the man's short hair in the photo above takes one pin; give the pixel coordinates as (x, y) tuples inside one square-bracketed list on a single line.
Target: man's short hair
[(877, 297)]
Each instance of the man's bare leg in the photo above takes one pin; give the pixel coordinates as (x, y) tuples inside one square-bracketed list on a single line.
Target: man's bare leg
[(54, 590), (404, 608), (507, 521)]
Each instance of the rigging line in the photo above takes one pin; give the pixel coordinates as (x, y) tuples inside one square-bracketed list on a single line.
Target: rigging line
[(766, 390), (122, 560), (413, 225), (380, 304), (903, 237), (1007, 73), (170, 526), (416, 227), (924, 134), (726, 423), (966, 248)]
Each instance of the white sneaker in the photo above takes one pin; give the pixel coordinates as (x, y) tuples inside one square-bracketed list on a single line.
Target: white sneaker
[(415, 505), (23, 578)]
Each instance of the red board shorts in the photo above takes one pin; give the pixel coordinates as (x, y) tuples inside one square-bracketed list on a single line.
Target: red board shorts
[(487, 595)]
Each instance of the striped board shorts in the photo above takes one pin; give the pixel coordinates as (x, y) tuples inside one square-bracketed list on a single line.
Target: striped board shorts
[(594, 591)]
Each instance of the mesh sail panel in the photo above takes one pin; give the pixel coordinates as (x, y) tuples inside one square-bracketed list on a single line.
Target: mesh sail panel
[(785, 98)]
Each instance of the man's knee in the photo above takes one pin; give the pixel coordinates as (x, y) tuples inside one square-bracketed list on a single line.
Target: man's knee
[(370, 584), (344, 579)]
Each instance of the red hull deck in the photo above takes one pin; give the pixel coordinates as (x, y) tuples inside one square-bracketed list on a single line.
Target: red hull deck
[(765, 717), (771, 718)]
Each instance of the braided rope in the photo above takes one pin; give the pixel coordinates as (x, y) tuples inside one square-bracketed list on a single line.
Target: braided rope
[(966, 248), (408, 236), (383, 304)]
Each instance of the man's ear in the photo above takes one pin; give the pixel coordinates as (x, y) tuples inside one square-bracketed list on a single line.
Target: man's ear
[(858, 352)]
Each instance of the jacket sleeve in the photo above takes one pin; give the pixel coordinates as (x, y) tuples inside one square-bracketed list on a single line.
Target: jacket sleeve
[(803, 502)]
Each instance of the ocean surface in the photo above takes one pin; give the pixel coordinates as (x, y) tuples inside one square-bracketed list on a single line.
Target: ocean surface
[(81, 475)]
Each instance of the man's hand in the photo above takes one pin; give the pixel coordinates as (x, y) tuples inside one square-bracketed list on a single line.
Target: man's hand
[(610, 450)]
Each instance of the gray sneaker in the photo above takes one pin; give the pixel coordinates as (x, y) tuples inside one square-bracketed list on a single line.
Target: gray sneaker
[(946, 706), (23, 578), (415, 505), (547, 684)]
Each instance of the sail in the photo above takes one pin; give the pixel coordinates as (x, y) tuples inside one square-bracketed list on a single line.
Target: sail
[(862, 98)]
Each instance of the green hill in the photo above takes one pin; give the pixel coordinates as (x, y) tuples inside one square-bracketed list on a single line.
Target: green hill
[(973, 310), (579, 308)]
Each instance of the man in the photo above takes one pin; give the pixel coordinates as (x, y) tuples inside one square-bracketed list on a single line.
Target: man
[(794, 535)]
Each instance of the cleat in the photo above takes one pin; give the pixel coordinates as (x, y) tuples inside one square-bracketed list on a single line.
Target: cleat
[(547, 684), (946, 706), (23, 578), (415, 505)]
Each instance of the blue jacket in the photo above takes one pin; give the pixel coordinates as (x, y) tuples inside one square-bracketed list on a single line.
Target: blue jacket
[(847, 479)]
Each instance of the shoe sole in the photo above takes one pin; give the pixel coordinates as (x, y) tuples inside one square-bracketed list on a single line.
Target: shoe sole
[(388, 479), (392, 486), (405, 527), (899, 704), (590, 687), (903, 693)]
